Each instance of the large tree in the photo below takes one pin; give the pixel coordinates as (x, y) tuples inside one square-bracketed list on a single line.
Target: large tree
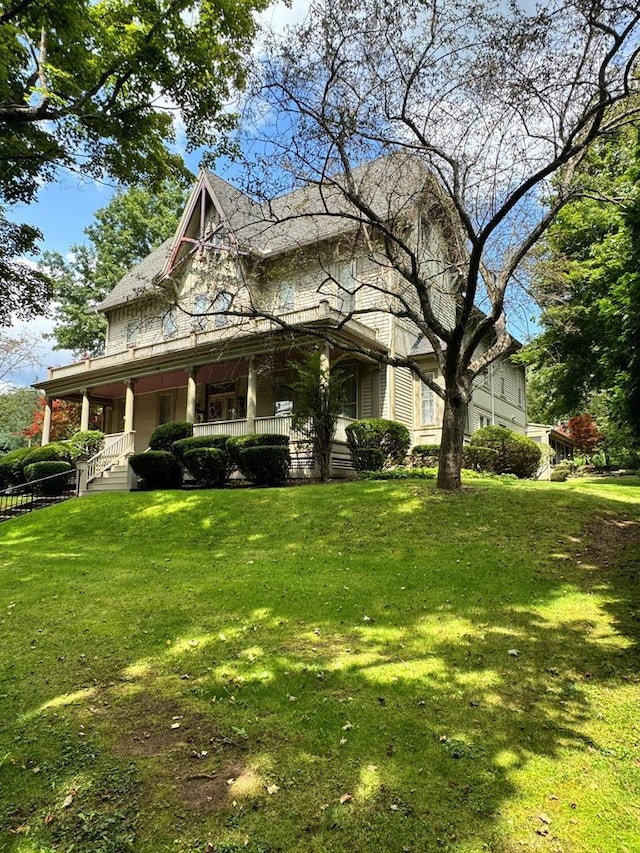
[(492, 101), (587, 281), (98, 87), (126, 230)]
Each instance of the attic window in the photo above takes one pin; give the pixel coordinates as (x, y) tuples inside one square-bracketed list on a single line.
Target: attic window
[(221, 303), (170, 323)]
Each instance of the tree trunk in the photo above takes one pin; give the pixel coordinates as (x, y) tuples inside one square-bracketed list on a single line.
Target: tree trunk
[(453, 424)]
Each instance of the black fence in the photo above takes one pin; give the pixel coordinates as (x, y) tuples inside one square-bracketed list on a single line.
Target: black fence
[(19, 500)]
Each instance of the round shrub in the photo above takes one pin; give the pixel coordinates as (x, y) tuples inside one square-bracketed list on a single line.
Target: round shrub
[(391, 437), (265, 465), (559, 475), (55, 451), (158, 469), (368, 459), (85, 443), (195, 442), (164, 435), (479, 458), (515, 453), (207, 465), (425, 455), (237, 443), (11, 473), (55, 473)]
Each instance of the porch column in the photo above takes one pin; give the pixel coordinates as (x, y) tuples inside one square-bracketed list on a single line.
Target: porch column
[(252, 395), (190, 416), (128, 404), (84, 415), (46, 423)]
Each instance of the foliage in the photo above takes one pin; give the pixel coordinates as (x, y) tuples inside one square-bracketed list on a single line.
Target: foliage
[(515, 454), (180, 447), (17, 351), (124, 232), (559, 475), (368, 458), (478, 458), (17, 408), (236, 444), (94, 87), (425, 455), (54, 451), (54, 475), (587, 282), (11, 465), (157, 469), (85, 443), (320, 398), (265, 465), (164, 435), (390, 437), (260, 598), (207, 465), (25, 289), (65, 419), (399, 473), (584, 431)]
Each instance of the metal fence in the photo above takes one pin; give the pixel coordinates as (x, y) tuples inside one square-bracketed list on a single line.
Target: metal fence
[(18, 500)]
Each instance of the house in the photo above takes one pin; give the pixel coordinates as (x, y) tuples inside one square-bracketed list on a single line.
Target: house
[(556, 446), (204, 328)]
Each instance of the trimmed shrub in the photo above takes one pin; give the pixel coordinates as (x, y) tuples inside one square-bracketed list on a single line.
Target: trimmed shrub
[(53, 485), (85, 443), (236, 444), (515, 454), (559, 475), (207, 465), (158, 469), (196, 442), (265, 465), (11, 473), (425, 455), (479, 458), (164, 435), (368, 459), (400, 473), (391, 437), (55, 451)]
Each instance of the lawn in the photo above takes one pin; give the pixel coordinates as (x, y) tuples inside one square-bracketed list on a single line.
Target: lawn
[(365, 666)]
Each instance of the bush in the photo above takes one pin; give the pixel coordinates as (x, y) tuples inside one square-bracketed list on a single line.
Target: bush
[(158, 469), (196, 442), (368, 459), (207, 465), (559, 475), (236, 444), (164, 435), (55, 451), (425, 455), (11, 473), (39, 470), (390, 437), (515, 454), (85, 443), (479, 458), (265, 465), (400, 473)]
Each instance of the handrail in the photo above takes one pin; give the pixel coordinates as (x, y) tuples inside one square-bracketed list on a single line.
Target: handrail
[(121, 444)]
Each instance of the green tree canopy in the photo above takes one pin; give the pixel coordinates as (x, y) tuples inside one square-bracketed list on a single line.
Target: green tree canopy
[(97, 86), (587, 281), (124, 231)]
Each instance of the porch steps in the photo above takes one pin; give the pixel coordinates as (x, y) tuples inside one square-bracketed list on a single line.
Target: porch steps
[(114, 479)]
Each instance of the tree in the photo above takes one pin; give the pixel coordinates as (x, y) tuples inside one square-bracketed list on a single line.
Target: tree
[(17, 408), (478, 109), (125, 231), (320, 398), (65, 420), (17, 350), (587, 281), (96, 87), (584, 431)]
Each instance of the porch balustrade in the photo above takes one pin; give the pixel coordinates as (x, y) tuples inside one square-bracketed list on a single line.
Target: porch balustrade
[(117, 446)]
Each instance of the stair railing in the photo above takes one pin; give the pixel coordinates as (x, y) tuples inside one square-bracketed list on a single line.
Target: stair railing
[(116, 447)]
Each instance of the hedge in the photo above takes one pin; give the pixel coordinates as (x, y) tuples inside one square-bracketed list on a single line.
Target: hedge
[(425, 455), (164, 435), (11, 473), (391, 437), (53, 485), (265, 465), (85, 443), (515, 453), (207, 465), (55, 451), (368, 459), (158, 469), (479, 458), (196, 442), (236, 444)]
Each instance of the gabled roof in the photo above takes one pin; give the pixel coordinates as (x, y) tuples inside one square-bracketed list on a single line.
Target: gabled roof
[(391, 186)]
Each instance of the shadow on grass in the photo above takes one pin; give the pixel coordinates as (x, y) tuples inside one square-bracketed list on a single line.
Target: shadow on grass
[(325, 686)]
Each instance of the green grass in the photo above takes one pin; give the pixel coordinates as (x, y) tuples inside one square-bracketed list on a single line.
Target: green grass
[(323, 668)]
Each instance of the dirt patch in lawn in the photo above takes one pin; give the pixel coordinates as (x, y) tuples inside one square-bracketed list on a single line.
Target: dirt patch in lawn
[(606, 539)]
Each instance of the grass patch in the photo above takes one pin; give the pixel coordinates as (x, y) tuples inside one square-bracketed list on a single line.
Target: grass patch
[(353, 667)]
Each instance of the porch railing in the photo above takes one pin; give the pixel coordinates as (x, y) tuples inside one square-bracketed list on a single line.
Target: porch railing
[(278, 424), (19, 500), (116, 447)]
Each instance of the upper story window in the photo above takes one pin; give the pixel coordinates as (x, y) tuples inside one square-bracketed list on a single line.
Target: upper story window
[(132, 332), (345, 275), (427, 403), (221, 304), (170, 323), (286, 296), (201, 308)]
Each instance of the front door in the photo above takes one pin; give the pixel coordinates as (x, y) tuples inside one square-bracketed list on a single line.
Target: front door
[(221, 407)]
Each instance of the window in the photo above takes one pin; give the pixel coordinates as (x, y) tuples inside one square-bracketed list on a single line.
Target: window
[(350, 390), (165, 408), (345, 274), (132, 333), (221, 303), (427, 403), (170, 323), (201, 307), (484, 421), (286, 296)]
